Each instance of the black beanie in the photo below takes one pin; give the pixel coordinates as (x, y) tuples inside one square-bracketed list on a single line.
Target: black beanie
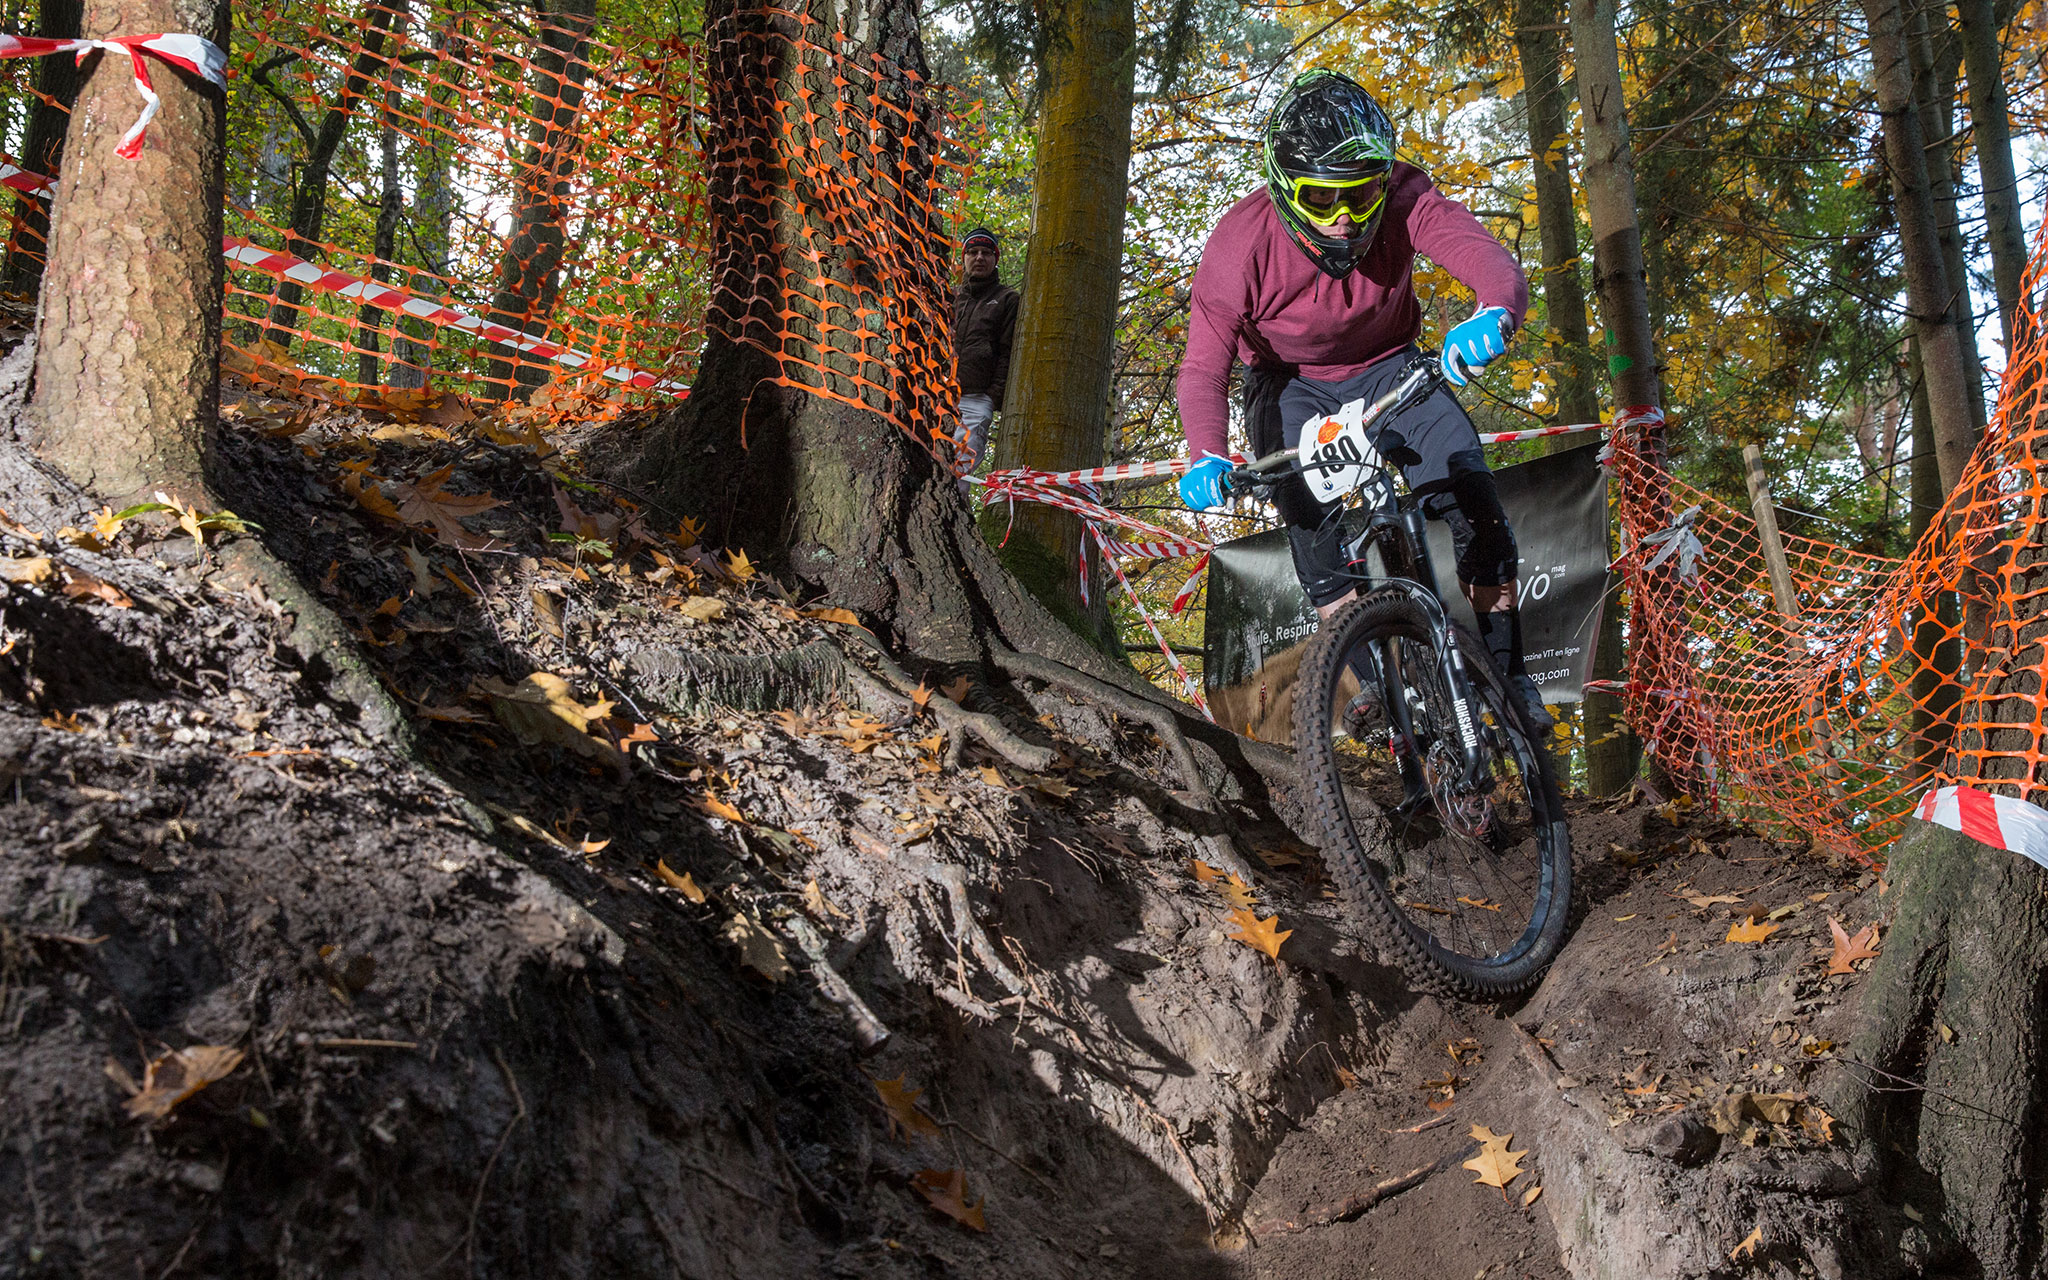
[(981, 235)]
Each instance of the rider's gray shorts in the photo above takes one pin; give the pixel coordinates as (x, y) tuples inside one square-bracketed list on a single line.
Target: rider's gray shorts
[(1433, 443)]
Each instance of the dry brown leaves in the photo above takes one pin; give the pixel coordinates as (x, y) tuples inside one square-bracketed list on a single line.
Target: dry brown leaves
[(1848, 949), (1495, 1164), (946, 1191)]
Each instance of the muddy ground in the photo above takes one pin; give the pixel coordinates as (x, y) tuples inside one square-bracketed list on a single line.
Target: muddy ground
[(624, 972)]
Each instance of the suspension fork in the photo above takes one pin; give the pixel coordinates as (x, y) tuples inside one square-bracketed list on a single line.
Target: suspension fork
[(1457, 680)]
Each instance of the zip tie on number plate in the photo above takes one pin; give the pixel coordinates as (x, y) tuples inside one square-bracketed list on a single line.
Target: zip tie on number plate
[(200, 56)]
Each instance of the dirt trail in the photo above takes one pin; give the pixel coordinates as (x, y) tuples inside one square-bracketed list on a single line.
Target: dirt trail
[(519, 1002)]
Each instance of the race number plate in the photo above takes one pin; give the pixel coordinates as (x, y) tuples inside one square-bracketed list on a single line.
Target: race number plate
[(1335, 455)]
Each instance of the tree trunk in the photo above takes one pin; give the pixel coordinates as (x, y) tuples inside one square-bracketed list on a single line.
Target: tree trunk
[(390, 209), (1991, 132), (1937, 53), (1056, 412), (128, 340), (42, 151), (1625, 305), (1610, 755), (1928, 292), (432, 207), (820, 482), (1936, 652), (309, 194), (529, 272)]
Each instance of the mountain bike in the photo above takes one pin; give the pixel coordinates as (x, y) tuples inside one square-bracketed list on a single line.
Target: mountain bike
[(1466, 877)]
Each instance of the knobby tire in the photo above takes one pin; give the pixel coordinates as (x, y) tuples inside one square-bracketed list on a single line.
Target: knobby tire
[(1422, 956)]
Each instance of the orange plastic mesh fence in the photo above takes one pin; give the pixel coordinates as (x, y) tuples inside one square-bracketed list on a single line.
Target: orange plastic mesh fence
[(534, 177), (1894, 676)]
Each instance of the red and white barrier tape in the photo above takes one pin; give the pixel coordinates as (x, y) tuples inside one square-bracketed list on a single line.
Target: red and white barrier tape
[(2003, 822), (1539, 433), (286, 267), (192, 53), (29, 184), (1189, 685)]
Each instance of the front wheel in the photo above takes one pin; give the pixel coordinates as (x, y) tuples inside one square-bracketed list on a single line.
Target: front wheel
[(1470, 888)]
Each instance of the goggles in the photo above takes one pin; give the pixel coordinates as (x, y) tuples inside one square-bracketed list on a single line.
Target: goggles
[(1323, 200)]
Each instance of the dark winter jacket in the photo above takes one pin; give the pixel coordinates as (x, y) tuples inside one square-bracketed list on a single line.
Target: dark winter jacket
[(984, 327)]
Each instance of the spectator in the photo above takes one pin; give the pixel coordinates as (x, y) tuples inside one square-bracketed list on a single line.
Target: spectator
[(984, 327)]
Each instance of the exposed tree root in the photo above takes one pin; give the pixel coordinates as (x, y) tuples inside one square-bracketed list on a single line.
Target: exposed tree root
[(953, 717), (689, 681), (869, 1031), (1163, 720)]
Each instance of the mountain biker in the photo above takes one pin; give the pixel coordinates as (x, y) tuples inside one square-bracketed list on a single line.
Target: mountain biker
[(1310, 284)]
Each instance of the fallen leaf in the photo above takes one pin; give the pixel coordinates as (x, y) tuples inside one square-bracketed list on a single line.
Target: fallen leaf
[(1204, 873), (1529, 1197), (1747, 1249), (422, 503), (818, 904), (541, 709), (1480, 1133), (1710, 900), (717, 808), (823, 615), (1236, 891), (760, 950), (587, 847), (993, 776), (390, 608), (547, 611), (28, 569), (358, 483), (1748, 930), (80, 585), (921, 695), (741, 568), (702, 608), (63, 720), (957, 690), (1260, 935), (904, 1117), (1848, 950), (947, 1192), (682, 883), (1626, 857), (1050, 786), (175, 1076), (641, 733), (1495, 1164), (424, 583), (85, 539)]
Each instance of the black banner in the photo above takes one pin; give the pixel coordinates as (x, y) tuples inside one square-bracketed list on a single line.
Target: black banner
[(1558, 506)]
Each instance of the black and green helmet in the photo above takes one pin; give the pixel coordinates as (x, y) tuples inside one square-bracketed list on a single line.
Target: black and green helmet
[(1329, 150)]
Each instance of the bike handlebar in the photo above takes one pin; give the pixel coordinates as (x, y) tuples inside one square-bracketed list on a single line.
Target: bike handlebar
[(1424, 374)]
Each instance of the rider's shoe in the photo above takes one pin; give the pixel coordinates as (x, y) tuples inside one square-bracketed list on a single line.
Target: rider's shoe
[(1538, 715)]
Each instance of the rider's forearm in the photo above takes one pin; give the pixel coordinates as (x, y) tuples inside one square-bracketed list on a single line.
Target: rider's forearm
[(1447, 234)]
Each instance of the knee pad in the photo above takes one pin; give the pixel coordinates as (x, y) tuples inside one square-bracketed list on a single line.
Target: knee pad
[(1484, 542), (1319, 561)]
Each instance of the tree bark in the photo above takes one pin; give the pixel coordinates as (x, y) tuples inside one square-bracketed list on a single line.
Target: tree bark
[(42, 150), (529, 272), (1928, 292), (1991, 132), (1936, 652), (1610, 754), (1625, 305), (127, 367), (1056, 412), (390, 209), (1937, 54)]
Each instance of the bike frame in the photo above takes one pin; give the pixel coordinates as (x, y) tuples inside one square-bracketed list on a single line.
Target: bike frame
[(1401, 534)]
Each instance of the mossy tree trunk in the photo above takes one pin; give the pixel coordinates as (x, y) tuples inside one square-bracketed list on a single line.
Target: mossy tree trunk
[(127, 387), (829, 491), (1056, 411)]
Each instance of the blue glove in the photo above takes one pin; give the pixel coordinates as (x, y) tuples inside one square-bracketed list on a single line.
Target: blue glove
[(1472, 345), (1201, 487)]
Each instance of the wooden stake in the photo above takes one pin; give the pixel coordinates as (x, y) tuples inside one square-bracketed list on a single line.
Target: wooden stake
[(1766, 513)]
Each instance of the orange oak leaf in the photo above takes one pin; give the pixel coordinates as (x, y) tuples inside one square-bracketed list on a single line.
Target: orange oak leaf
[(1849, 949), (1260, 935), (946, 1190), (175, 1076), (717, 808), (423, 503), (823, 615), (683, 884), (1749, 1243), (1495, 1164), (901, 1100), (1748, 930), (1204, 873)]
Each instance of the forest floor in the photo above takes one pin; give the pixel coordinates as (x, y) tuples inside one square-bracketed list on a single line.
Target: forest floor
[(667, 941)]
